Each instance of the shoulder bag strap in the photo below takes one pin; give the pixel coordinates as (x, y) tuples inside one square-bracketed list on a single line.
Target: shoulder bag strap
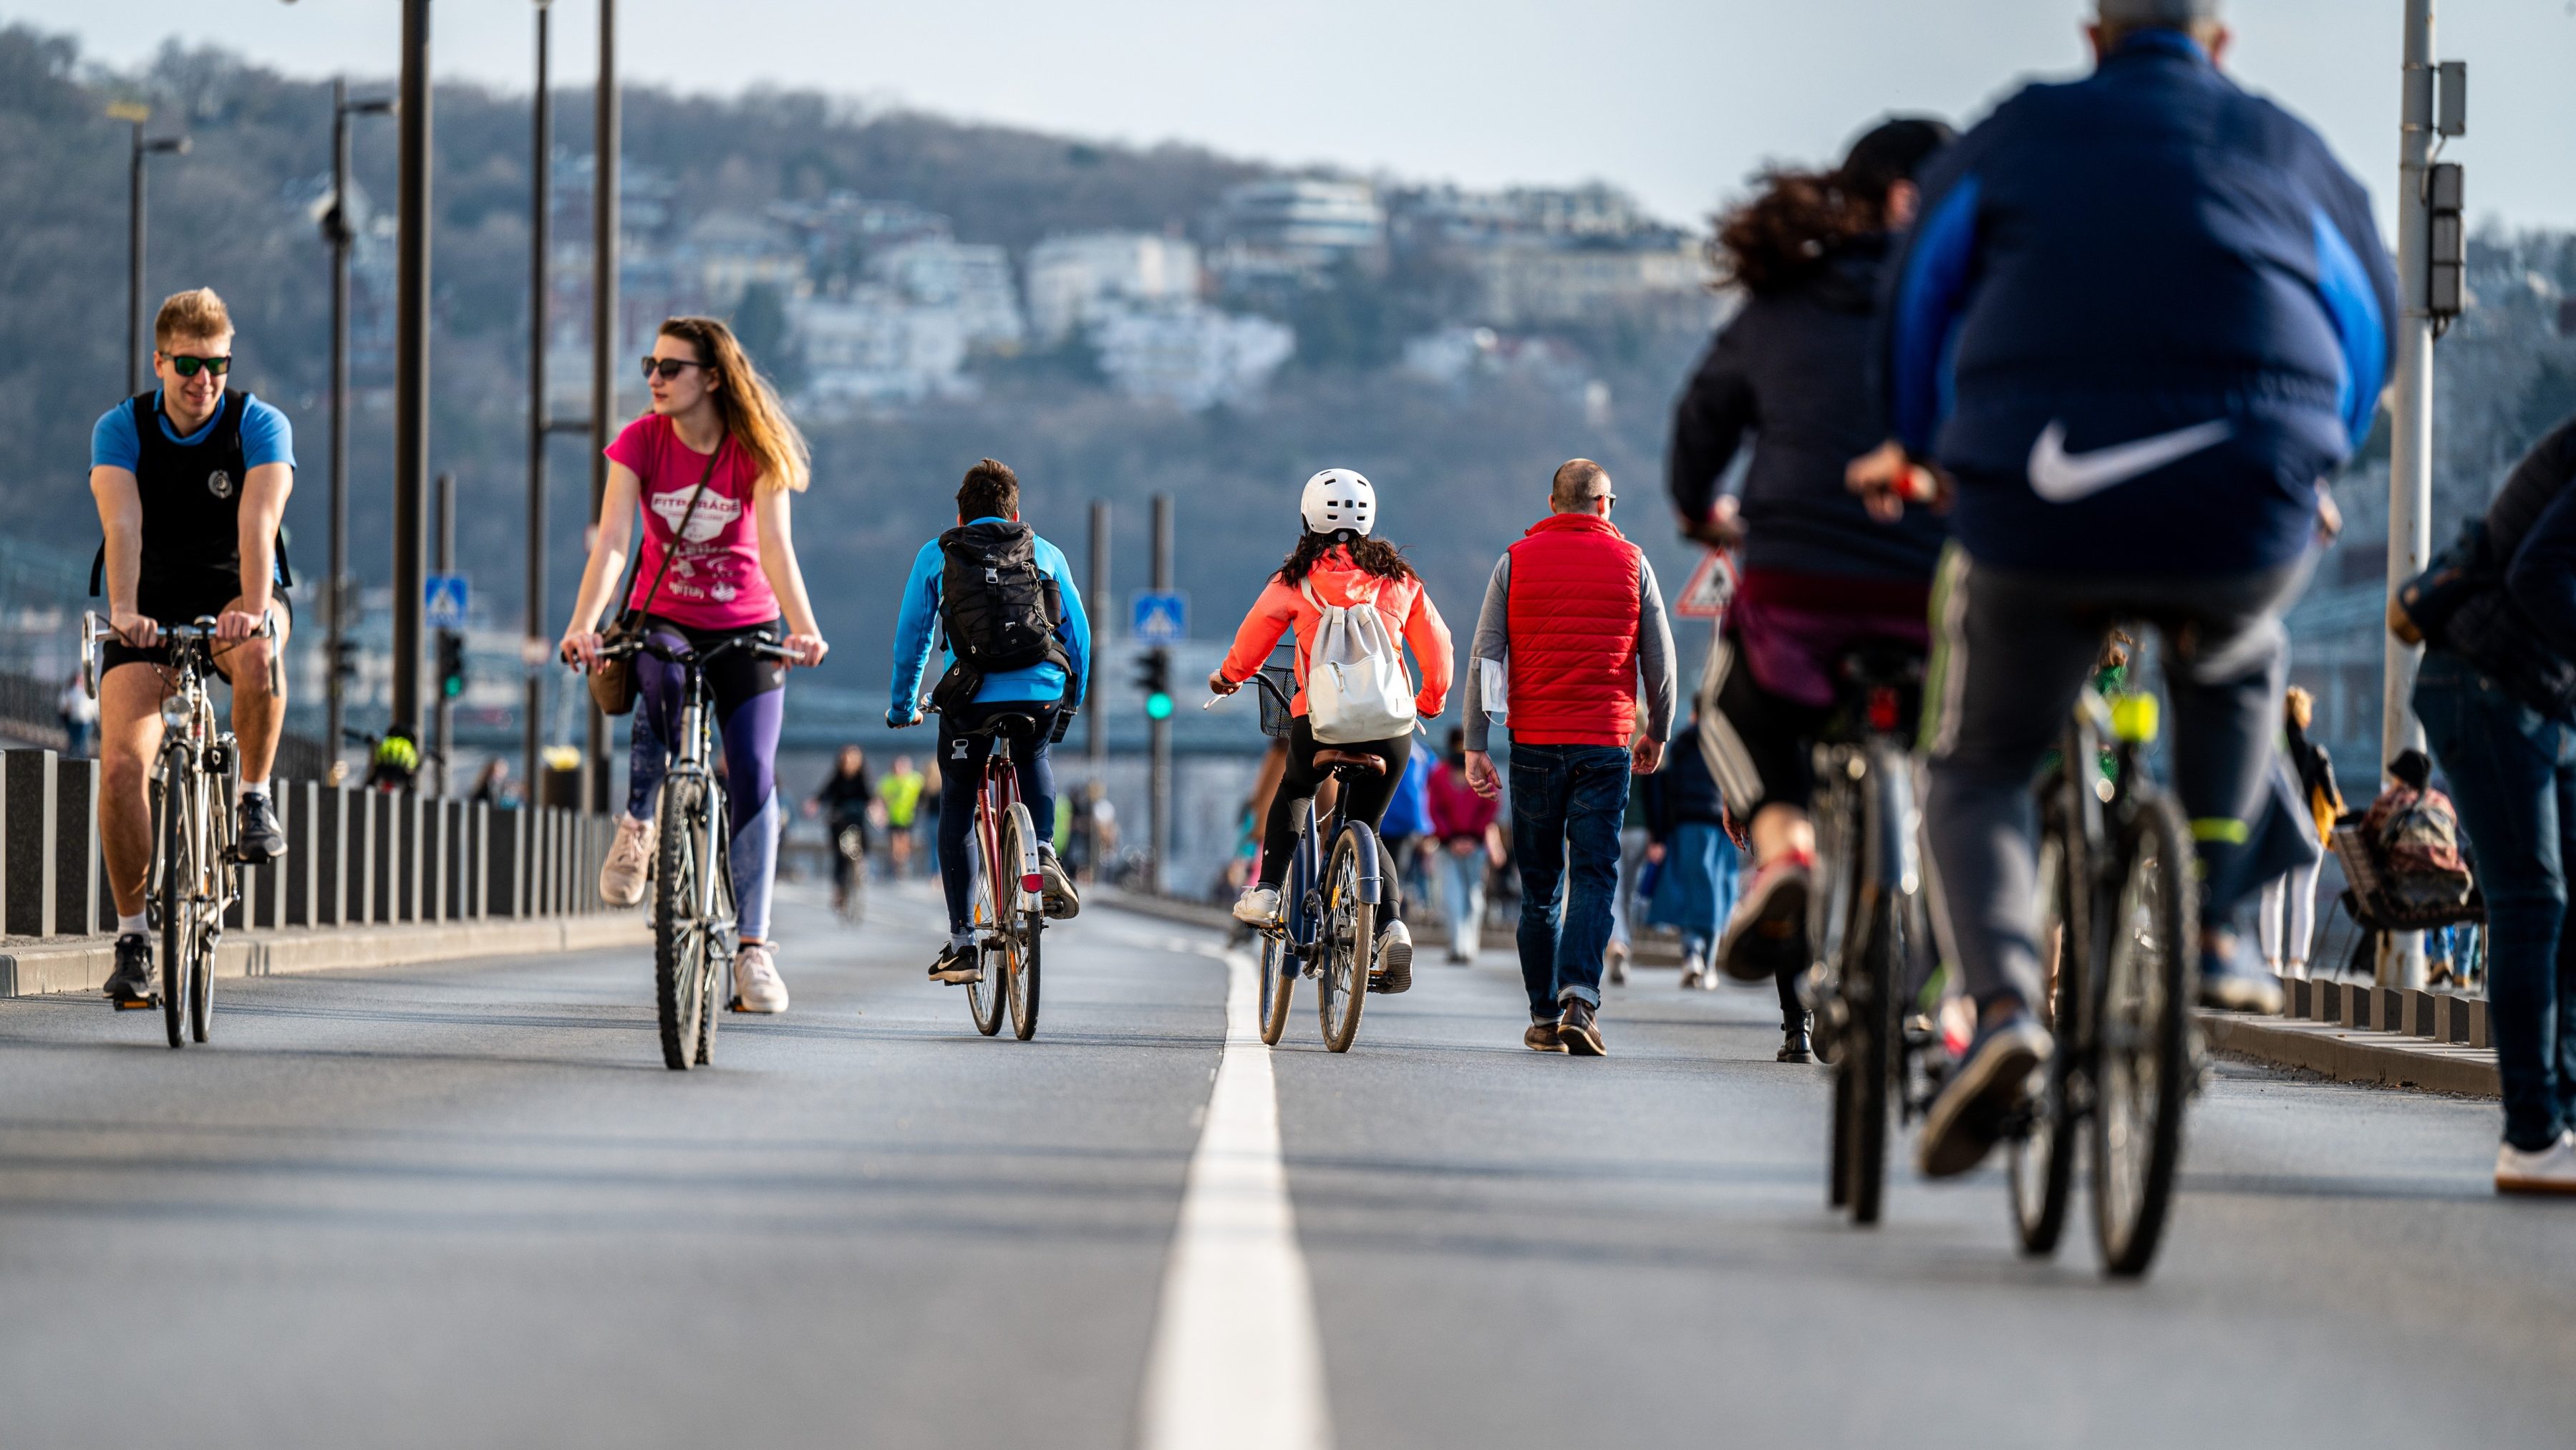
[(680, 535)]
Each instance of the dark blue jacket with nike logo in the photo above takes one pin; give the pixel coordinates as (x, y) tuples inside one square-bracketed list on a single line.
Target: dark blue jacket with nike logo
[(2143, 316)]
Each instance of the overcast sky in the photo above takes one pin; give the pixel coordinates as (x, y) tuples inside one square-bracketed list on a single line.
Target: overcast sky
[(1675, 99)]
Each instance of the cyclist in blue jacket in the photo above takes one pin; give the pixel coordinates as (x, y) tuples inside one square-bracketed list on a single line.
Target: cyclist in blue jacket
[(1017, 642), (2144, 317)]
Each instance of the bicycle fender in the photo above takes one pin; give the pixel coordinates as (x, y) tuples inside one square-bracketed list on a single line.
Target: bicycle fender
[(1372, 890)]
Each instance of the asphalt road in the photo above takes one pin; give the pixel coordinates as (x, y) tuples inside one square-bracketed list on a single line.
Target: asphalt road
[(465, 1205)]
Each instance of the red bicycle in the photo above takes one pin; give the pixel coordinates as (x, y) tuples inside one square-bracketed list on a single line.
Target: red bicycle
[(1008, 903)]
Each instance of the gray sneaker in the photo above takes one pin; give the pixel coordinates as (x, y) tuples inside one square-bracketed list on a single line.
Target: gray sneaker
[(1394, 959)]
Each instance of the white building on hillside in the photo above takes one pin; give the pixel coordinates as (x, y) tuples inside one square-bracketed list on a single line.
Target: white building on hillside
[(1313, 220), (1190, 354), (1072, 280), (873, 347), (969, 279), (1529, 282)]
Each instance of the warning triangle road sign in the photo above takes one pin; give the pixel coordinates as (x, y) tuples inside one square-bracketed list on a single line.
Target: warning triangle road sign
[(1711, 588)]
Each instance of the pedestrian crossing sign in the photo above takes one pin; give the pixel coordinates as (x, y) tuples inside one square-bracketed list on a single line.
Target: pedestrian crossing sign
[(1160, 618), (443, 600)]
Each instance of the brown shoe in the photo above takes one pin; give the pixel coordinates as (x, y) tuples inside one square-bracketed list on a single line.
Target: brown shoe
[(1542, 1037), (1578, 1032)]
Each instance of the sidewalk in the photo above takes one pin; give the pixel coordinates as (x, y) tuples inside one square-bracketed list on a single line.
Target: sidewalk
[(81, 964)]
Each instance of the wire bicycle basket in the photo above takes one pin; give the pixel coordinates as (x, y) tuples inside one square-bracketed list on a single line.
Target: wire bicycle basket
[(1276, 722)]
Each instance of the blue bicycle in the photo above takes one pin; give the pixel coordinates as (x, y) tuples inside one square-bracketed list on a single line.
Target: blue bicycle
[(1328, 903)]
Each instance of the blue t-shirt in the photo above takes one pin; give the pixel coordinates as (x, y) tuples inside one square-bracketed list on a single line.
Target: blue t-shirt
[(265, 434)]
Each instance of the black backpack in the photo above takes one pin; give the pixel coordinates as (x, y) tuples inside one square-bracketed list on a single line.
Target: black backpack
[(999, 609)]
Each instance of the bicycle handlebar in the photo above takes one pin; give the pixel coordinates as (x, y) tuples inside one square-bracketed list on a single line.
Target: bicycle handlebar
[(683, 656), (1258, 677)]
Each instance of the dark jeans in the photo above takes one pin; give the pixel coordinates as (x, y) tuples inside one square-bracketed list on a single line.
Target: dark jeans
[(2512, 773), (961, 782), (1566, 804)]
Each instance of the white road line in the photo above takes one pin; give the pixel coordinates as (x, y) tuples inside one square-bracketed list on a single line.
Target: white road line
[(1236, 1364)]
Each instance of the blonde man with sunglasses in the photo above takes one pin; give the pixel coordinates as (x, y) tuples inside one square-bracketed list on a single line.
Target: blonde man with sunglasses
[(191, 481)]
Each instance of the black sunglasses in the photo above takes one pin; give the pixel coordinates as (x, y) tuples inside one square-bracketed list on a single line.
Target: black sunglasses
[(186, 366), (668, 367)]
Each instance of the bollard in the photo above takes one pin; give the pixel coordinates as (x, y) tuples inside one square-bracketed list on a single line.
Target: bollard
[(505, 862), (77, 870), (2419, 1013), (299, 805), (331, 858), (477, 864), (364, 806), (27, 829)]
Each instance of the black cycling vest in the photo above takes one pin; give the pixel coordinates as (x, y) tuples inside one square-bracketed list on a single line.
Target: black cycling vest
[(191, 495)]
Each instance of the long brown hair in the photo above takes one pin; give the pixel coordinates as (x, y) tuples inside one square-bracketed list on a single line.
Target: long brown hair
[(1785, 234), (753, 416), (1370, 556)]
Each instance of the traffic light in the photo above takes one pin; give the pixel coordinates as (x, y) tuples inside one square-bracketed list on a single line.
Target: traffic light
[(345, 664), (1154, 678), (451, 664)]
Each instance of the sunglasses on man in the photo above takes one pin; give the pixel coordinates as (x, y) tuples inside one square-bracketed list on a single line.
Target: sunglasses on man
[(668, 367), (187, 366)]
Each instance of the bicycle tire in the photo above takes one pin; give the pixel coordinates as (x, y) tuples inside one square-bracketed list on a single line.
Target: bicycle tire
[(715, 847), (1829, 913), (177, 866), (2040, 1164), (679, 939), (1868, 1053), (1278, 986), (1026, 926), (1347, 938), (2142, 1074), (225, 873), (984, 999)]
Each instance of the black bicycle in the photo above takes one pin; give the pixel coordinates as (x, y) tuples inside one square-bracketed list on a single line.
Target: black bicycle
[(693, 897), (1328, 901), (1866, 921), (2119, 923)]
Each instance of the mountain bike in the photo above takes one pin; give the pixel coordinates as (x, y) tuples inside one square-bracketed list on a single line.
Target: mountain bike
[(693, 897), (1866, 920), (1328, 901), (196, 877), (2117, 900), (1007, 903)]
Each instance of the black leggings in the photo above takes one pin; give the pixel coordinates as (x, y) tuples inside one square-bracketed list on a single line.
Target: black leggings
[(1365, 799)]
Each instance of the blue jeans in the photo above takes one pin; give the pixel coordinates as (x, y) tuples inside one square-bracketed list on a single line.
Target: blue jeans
[(961, 782), (2512, 773), (1567, 801)]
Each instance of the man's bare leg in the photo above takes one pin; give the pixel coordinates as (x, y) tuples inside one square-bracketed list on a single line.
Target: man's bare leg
[(259, 717), (129, 735)]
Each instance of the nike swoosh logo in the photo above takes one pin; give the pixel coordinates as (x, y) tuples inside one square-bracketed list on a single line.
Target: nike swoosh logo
[(2062, 477)]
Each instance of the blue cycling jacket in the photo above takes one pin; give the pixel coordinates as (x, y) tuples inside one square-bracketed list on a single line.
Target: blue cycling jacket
[(915, 635), (2142, 317)]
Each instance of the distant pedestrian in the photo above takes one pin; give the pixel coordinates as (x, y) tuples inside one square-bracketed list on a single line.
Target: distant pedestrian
[(1407, 823), (900, 793), (1572, 621), (493, 786), (1636, 878), (1695, 888), (80, 717), (1470, 845), (2288, 920)]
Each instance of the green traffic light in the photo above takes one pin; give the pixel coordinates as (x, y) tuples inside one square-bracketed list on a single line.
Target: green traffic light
[(1158, 706)]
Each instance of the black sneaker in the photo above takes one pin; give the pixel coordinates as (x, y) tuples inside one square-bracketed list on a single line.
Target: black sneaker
[(1576, 1029), (1977, 1104), (130, 985), (1059, 898), (1542, 1037), (1793, 1046), (259, 840), (958, 964)]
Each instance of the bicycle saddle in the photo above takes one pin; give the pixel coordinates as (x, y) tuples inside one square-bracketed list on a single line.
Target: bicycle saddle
[(1014, 725), (1326, 759)]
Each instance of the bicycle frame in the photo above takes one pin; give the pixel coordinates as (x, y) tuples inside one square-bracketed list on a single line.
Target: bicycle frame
[(995, 795)]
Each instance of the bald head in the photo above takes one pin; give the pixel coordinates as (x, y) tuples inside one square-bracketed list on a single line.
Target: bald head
[(1582, 487)]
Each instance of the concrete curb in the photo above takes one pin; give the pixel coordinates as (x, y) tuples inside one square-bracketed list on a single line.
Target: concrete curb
[(2353, 1054), (82, 964)]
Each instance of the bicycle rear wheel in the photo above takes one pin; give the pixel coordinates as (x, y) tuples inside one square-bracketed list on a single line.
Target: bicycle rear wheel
[(1023, 922), (1874, 976), (175, 889), (2142, 1033), (2041, 1161), (680, 938), (994, 954), (1831, 909), (1278, 985), (1347, 939)]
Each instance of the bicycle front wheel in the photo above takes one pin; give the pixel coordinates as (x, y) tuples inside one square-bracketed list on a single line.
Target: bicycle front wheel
[(1023, 923), (2041, 1161), (2142, 1058), (1347, 939), (176, 889), (681, 938)]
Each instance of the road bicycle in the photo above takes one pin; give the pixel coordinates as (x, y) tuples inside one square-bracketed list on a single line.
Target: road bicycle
[(693, 896), (1867, 925), (1329, 899), (1008, 903), (2117, 900), (196, 875)]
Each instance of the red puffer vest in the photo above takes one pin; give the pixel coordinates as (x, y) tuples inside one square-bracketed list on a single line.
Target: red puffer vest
[(1572, 671)]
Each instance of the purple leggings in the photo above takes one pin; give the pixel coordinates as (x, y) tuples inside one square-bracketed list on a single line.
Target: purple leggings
[(749, 698)]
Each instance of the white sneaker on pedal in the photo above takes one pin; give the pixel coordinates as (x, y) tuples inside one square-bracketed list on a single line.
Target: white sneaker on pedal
[(629, 864), (1258, 906), (756, 983)]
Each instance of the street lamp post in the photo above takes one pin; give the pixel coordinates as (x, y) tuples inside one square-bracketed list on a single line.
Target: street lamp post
[(411, 369), (143, 150), (603, 342), (336, 230), (540, 241)]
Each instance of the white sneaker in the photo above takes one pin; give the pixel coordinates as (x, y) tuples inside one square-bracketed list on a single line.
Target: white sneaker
[(2551, 1170), (629, 864), (1694, 972), (1258, 906), (1614, 964), (756, 984)]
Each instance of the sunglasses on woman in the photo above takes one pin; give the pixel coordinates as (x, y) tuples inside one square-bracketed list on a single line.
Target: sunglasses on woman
[(668, 367), (186, 366)]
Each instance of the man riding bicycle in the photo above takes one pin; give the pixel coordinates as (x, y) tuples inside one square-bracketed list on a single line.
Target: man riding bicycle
[(2143, 318), (1018, 643), (191, 481)]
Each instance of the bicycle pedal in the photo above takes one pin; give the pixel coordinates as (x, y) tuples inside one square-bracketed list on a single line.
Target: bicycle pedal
[(122, 1005)]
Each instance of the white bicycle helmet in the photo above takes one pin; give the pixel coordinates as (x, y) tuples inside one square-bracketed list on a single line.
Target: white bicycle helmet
[(1337, 499)]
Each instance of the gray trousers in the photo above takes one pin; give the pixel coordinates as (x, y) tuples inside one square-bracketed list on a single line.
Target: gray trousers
[(2010, 654)]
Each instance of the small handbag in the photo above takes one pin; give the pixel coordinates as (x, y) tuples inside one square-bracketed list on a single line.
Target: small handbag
[(612, 681)]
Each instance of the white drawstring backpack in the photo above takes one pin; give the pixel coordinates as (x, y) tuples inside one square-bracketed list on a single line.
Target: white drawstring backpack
[(1356, 686)]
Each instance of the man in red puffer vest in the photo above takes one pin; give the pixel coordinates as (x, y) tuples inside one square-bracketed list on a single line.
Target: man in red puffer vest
[(1572, 621)]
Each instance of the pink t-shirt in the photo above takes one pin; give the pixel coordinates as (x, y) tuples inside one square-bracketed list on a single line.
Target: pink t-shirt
[(715, 582)]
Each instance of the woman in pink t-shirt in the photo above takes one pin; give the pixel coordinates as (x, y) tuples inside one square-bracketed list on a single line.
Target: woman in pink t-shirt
[(725, 567)]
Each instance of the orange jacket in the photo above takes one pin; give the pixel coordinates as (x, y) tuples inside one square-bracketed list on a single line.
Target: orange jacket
[(1402, 603)]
